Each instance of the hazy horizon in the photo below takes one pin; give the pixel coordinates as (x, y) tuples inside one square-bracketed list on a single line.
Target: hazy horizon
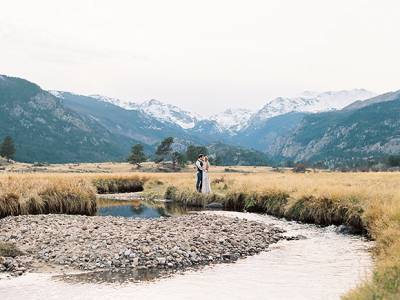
[(203, 57)]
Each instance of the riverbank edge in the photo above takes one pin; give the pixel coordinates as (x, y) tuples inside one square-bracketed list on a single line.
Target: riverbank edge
[(322, 211)]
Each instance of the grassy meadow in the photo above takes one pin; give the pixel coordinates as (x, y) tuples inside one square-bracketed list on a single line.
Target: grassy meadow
[(368, 202)]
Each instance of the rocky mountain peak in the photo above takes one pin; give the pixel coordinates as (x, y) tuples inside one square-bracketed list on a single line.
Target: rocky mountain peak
[(233, 120), (310, 101)]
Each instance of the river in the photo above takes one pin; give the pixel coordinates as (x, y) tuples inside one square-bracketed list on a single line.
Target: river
[(323, 266)]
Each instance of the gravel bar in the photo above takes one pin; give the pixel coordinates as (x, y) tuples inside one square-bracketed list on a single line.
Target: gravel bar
[(115, 243)]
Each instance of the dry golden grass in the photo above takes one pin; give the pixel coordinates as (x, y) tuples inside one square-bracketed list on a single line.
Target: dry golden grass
[(35, 194), (60, 193), (368, 200), (365, 186)]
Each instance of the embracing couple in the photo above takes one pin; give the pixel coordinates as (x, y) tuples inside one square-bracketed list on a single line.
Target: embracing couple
[(203, 181)]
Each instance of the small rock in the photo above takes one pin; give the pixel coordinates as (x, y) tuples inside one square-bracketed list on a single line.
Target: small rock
[(215, 205), (135, 262), (161, 260)]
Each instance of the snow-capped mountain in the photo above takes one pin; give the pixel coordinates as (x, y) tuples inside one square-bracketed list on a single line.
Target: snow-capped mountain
[(124, 104), (163, 112), (169, 113), (311, 102), (58, 94), (233, 120)]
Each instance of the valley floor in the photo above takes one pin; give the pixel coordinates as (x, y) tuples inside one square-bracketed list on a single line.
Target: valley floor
[(368, 202)]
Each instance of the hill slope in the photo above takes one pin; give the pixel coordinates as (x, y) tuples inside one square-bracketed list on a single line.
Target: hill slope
[(129, 123), (344, 136), (45, 130), (266, 133)]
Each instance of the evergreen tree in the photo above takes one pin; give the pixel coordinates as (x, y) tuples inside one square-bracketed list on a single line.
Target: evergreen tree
[(192, 152), (218, 161), (7, 148), (164, 149), (137, 155), (394, 161), (178, 159)]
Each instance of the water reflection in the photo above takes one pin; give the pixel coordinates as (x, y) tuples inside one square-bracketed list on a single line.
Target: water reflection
[(121, 277), (138, 209)]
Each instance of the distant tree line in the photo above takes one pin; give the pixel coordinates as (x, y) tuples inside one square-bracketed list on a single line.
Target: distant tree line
[(383, 163), (221, 155), (165, 152)]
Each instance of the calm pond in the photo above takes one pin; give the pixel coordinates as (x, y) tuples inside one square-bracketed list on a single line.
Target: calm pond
[(323, 266)]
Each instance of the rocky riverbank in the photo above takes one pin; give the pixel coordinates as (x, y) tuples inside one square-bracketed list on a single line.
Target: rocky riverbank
[(110, 243)]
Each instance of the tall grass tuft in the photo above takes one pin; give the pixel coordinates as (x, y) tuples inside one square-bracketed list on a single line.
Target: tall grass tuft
[(272, 202), (108, 185), (42, 196), (190, 198), (327, 211)]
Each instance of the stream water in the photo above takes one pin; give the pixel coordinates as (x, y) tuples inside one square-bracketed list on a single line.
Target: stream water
[(138, 209), (323, 266)]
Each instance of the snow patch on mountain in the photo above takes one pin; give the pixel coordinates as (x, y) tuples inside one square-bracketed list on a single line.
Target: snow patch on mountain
[(233, 120), (169, 113), (57, 94), (163, 112), (129, 105), (310, 101)]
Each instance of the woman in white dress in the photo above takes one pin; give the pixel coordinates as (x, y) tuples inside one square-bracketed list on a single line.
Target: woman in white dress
[(206, 185)]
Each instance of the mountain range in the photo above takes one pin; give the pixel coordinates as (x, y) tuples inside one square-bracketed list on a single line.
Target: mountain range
[(233, 121), (59, 126)]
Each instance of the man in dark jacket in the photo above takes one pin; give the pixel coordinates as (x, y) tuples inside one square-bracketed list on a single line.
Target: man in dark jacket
[(199, 167)]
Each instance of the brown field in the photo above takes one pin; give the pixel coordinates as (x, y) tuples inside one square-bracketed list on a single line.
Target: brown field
[(370, 201)]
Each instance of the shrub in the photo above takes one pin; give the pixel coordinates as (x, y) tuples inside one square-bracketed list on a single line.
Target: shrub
[(299, 168), (9, 250), (170, 192), (218, 180)]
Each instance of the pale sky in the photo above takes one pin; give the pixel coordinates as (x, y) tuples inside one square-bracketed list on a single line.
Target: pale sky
[(206, 55)]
